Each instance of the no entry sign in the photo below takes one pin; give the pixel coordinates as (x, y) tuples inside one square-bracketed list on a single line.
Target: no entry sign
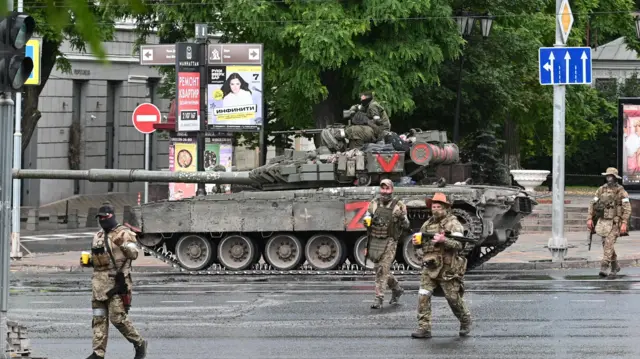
[(144, 116)]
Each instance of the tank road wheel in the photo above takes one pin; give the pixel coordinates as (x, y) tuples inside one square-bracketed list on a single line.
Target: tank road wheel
[(283, 251), (236, 252), (409, 254), (194, 252), (324, 252), (358, 252), (150, 239)]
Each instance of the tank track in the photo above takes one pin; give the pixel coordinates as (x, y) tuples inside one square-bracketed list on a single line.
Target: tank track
[(266, 269), (473, 228)]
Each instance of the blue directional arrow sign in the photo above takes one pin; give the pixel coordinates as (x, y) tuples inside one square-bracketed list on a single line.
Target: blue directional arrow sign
[(564, 65)]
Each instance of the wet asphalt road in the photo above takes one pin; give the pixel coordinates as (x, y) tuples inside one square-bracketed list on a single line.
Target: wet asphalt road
[(552, 314)]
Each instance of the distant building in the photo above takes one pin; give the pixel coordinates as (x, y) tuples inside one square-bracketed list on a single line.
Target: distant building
[(613, 63)]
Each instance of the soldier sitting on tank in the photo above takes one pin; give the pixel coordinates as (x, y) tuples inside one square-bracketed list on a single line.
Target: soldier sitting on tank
[(378, 118), (359, 132)]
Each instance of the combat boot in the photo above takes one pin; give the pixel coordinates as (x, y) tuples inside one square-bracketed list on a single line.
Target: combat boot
[(395, 295), (465, 327), (421, 333), (94, 356), (615, 268), (603, 270), (141, 350), (377, 303)]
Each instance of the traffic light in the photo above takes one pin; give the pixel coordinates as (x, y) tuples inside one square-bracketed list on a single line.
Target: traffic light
[(15, 30)]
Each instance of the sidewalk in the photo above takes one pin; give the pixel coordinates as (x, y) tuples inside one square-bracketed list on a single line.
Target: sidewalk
[(529, 252)]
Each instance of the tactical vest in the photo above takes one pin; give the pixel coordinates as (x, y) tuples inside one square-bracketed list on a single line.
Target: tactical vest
[(100, 256), (382, 228), (441, 263), (607, 206)]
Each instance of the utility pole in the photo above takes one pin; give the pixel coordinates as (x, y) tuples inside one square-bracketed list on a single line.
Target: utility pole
[(558, 243), (17, 164), (202, 34), (15, 68)]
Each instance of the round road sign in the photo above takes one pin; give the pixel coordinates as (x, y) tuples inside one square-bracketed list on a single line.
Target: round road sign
[(145, 116)]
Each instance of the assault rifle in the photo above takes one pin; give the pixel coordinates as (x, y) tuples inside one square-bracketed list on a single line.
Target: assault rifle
[(430, 235)]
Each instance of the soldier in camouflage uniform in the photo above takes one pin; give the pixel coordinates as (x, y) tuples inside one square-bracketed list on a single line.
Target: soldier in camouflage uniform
[(116, 246), (612, 209), (443, 267), (378, 118), (388, 217), (359, 132)]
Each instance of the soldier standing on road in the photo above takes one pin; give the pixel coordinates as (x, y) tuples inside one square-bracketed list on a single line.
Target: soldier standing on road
[(612, 209), (443, 266), (111, 252), (388, 219)]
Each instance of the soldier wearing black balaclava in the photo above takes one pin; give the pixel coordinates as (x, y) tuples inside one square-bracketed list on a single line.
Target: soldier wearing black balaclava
[(112, 250), (378, 118)]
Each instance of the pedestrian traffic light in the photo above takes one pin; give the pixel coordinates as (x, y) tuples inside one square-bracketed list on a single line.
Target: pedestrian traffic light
[(15, 30)]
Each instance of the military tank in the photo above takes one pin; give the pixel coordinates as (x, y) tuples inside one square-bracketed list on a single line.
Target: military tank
[(302, 212)]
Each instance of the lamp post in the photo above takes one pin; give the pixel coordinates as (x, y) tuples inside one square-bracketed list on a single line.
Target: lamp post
[(465, 22)]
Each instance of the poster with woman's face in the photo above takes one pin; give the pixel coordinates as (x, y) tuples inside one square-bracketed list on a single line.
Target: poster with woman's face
[(234, 96), (631, 144)]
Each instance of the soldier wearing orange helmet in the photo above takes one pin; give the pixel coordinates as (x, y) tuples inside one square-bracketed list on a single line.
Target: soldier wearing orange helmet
[(443, 266)]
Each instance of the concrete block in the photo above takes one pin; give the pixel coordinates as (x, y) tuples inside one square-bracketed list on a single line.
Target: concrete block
[(33, 219), (287, 170), (326, 167), (72, 219), (91, 217), (326, 176), (53, 220)]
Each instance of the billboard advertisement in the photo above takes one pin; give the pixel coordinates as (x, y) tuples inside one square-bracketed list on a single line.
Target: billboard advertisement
[(234, 96), (182, 158), (218, 153)]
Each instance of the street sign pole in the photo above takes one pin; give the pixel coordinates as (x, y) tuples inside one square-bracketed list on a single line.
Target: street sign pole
[(202, 36), (558, 243), (144, 116)]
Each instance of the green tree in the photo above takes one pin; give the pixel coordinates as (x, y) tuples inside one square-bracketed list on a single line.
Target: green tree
[(54, 24)]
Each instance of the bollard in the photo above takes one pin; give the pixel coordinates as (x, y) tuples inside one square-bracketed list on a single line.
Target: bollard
[(33, 219), (72, 219), (53, 220), (91, 217)]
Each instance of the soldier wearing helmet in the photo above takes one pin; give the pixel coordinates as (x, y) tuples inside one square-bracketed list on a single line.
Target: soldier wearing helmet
[(443, 266), (387, 218), (611, 209)]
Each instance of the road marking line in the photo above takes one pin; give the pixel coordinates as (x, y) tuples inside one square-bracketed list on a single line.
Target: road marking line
[(587, 300), (177, 301), (237, 301), (306, 301), (515, 300)]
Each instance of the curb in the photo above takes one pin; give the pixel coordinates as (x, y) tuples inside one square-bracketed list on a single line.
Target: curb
[(633, 262)]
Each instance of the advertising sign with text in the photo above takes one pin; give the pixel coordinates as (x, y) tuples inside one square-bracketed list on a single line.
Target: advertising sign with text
[(188, 87), (234, 96)]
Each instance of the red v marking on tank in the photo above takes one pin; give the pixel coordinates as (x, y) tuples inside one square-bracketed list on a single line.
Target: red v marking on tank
[(388, 166), (356, 222)]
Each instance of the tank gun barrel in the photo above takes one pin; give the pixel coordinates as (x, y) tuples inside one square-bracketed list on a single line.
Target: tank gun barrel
[(135, 175)]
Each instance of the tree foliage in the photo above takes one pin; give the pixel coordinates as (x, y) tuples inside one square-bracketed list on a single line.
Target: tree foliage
[(56, 23), (320, 53)]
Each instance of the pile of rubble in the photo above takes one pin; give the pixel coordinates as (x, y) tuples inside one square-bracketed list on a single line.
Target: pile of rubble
[(18, 345)]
